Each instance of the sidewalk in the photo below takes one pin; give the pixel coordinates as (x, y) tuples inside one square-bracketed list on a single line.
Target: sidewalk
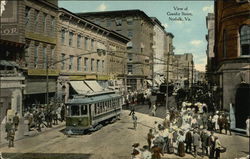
[(22, 131)]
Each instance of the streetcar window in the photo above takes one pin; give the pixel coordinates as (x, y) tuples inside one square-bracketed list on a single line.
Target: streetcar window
[(84, 110), (75, 110)]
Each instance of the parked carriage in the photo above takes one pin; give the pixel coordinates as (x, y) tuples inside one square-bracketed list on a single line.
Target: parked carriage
[(91, 112)]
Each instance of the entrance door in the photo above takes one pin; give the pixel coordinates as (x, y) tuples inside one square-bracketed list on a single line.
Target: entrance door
[(242, 105)]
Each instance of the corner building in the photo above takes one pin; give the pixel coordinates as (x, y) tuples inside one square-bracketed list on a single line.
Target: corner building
[(137, 26), (232, 55)]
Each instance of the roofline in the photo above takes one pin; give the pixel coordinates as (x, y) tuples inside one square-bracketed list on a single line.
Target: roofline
[(124, 38), (170, 34), (156, 21), (118, 12)]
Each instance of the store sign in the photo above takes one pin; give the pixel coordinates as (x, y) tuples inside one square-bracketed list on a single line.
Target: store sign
[(9, 30), (42, 72)]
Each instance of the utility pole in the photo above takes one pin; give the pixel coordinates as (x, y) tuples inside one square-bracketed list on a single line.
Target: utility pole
[(192, 77), (47, 82), (170, 52)]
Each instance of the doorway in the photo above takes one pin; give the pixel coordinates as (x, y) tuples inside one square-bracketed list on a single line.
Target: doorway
[(242, 105)]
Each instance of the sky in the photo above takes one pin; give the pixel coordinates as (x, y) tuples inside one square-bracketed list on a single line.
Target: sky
[(189, 34)]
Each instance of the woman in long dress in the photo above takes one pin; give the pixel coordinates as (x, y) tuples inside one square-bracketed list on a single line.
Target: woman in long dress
[(181, 139)]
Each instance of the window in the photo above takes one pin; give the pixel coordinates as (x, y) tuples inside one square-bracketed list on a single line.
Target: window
[(71, 38), (141, 50), (52, 25), (103, 66), (130, 68), (92, 65), (92, 44), (85, 64), (63, 62), (118, 30), (71, 58), (224, 43), (84, 110), (27, 16), (52, 54), (62, 36), (36, 15), (79, 61), (75, 110), (44, 57), (36, 56), (130, 34), (245, 40), (78, 41), (130, 56), (86, 43), (44, 21), (118, 22), (130, 21), (98, 65)]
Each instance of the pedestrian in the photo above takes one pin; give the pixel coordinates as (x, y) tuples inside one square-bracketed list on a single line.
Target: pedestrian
[(11, 137), (150, 136), (215, 121), (8, 128), (220, 123), (30, 120), (248, 126), (217, 148), (62, 112), (211, 143), (149, 104), (181, 139), (136, 153), (204, 139), (188, 141), (132, 109), (156, 152), (16, 121), (153, 110), (127, 103), (227, 124), (134, 120), (196, 142)]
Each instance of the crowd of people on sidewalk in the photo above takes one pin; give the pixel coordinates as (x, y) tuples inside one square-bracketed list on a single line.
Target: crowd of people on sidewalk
[(39, 116), (36, 117), (190, 130)]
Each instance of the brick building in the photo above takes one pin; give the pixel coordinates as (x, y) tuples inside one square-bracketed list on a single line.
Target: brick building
[(39, 19), (91, 52), (137, 26), (232, 55)]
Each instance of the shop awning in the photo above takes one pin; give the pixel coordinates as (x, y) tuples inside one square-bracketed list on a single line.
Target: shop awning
[(94, 85), (80, 87)]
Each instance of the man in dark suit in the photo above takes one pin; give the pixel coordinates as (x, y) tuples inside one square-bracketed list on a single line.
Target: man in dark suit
[(188, 141)]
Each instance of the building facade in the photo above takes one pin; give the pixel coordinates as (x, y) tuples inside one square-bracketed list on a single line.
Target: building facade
[(39, 20), (137, 26), (169, 55), (232, 54), (87, 51), (210, 49), (183, 67), (159, 58)]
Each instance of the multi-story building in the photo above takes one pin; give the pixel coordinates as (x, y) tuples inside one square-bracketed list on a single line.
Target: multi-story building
[(183, 66), (159, 54), (12, 55), (210, 48), (87, 51), (232, 54), (39, 19), (137, 26)]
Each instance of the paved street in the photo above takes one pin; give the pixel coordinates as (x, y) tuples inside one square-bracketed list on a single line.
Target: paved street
[(111, 142)]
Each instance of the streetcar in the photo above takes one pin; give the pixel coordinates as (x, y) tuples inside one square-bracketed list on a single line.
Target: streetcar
[(91, 112)]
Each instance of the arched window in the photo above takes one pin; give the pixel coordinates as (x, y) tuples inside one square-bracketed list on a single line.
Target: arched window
[(245, 40)]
